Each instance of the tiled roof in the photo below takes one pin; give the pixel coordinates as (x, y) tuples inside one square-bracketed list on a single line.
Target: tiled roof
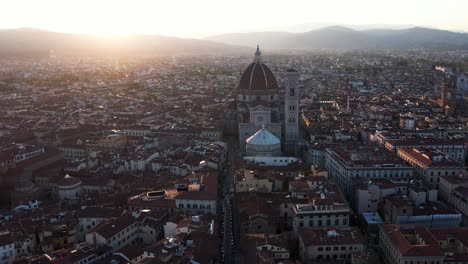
[(109, 229), (331, 236), (257, 76), (396, 233)]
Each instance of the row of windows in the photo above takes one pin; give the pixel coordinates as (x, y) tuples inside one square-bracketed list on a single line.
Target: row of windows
[(446, 173), (8, 254), (335, 248), (421, 262), (327, 223), (195, 206), (6, 247), (335, 256)]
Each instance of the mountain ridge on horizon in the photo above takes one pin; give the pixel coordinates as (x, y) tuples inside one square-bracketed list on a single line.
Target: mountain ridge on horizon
[(33, 42), (341, 37)]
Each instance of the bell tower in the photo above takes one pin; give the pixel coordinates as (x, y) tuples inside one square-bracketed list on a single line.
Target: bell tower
[(291, 112)]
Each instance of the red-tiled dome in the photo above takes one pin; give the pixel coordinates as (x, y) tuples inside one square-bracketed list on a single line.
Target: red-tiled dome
[(258, 76)]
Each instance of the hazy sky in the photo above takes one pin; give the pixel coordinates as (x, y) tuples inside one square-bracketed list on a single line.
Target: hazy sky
[(195, 18)]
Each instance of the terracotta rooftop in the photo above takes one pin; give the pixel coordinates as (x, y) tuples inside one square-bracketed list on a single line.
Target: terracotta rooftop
[(209, 190), (331, 236), (424, 156), (109, 229), (398, 237)]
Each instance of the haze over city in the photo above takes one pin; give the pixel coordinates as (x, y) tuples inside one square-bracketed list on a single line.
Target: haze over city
[(207, 17), (232, 132)]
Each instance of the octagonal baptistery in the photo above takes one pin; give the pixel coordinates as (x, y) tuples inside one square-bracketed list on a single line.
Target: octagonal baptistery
[(263, 144), (258, 83)]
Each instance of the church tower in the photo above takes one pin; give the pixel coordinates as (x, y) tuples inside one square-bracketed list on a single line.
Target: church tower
[(291, 112)]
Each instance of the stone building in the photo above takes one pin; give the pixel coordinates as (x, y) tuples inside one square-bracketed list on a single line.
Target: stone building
[(259, 105)]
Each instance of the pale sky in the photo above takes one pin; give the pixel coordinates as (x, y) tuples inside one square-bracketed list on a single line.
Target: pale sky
[(198, 18)]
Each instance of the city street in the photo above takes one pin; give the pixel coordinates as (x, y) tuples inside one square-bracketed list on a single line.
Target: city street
[(229, 234)]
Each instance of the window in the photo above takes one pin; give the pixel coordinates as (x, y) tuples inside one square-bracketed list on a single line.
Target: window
[(291, 92)]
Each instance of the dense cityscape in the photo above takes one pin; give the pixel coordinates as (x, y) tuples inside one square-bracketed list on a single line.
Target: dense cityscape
[(266, 157)]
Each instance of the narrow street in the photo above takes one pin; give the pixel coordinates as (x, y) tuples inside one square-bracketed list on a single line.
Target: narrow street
[(229, 234)]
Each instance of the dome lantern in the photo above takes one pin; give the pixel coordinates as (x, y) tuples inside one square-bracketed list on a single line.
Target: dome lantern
[(258, 55)]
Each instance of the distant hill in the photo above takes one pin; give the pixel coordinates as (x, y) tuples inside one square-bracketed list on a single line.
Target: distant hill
[(251, 39), (34, 42), (340, 37)]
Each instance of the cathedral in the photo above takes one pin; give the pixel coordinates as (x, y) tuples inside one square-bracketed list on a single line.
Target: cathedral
[(267, 117)]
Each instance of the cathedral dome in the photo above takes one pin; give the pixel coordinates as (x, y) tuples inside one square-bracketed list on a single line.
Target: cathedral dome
[(258, 76)]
